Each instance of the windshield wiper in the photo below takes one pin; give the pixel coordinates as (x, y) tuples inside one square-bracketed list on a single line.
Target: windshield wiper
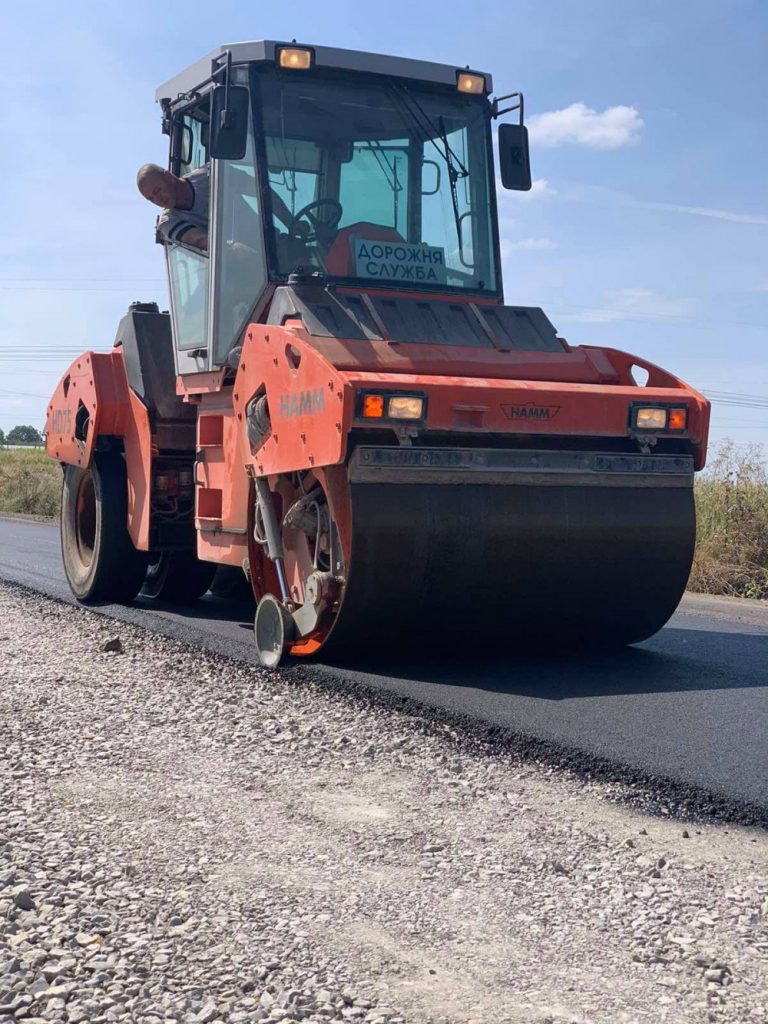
[(454, 165)]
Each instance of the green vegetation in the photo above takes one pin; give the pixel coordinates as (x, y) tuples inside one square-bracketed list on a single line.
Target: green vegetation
[(732, 510), (731, 503), (30, 482), (23, 435)]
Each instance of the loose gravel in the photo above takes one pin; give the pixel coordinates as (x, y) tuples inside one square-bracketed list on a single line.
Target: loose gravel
[(184, 838)]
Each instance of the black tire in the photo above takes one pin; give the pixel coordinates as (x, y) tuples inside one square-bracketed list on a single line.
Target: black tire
[(232, 584), (179, 577), (100, 561)]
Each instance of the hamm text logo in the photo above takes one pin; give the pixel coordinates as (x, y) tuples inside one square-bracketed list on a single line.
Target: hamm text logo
[(530, 412), (302, 403)]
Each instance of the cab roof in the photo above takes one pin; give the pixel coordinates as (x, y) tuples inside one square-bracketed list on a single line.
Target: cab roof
[(265, 51)]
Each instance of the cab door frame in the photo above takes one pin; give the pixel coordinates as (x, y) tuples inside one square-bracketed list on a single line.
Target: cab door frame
[(189, 359)]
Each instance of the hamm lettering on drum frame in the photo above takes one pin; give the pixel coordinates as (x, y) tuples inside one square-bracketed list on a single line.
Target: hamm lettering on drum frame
[(302, 403), (399, 261)]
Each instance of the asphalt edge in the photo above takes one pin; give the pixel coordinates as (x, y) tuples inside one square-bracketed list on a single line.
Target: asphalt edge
[(655, 795)]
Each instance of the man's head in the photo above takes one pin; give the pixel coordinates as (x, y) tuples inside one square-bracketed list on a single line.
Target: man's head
[(163, 188)]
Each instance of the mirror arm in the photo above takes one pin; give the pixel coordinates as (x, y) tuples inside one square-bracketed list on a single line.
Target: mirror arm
[(225, 114), (216, 69), (496, 111), (165, 107)]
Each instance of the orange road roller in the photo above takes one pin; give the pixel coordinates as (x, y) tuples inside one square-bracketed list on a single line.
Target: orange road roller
[(339, 403)]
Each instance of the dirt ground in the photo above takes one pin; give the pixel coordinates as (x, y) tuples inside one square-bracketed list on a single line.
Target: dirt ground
[(187, 839)]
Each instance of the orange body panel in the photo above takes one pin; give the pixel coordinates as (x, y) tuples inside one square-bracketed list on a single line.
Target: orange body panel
[(311, 385), (310, 402), (93, 400), (221, 498)]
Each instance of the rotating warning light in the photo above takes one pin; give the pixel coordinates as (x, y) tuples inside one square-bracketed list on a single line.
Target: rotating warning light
[(295, 57), (405, 407), (651, 418), (471, 83)]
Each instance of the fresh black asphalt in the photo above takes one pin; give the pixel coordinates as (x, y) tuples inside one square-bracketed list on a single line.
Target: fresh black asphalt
[(691, 704)]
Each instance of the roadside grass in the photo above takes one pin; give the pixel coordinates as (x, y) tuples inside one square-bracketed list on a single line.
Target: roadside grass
[(732, 512), (30, 482), (731, 506)]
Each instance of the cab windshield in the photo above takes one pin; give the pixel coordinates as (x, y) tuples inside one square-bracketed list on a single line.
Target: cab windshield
[(376, 182)]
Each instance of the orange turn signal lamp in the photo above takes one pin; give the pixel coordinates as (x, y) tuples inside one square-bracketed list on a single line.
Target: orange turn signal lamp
[(658, 417), (381, 406), (373, 407)]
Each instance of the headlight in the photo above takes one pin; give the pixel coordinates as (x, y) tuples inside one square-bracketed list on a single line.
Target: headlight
[(650, 419), (405, 407), (658, 417)]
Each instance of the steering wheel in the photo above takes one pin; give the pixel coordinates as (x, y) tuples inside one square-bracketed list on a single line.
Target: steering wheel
[(322, 227)]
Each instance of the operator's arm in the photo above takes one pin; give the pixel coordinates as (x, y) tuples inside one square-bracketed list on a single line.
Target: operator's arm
[(174, 226)]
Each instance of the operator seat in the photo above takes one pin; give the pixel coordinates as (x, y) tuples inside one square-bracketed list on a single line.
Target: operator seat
[(340, 258)]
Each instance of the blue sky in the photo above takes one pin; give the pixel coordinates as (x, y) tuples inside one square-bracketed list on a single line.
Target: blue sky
[(646, 230)]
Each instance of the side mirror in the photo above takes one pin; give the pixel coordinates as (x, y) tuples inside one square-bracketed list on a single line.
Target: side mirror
[(514, 159), (229, 122)]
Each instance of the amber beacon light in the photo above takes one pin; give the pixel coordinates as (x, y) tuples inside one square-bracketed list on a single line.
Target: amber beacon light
[(473, 84), (295, 57)]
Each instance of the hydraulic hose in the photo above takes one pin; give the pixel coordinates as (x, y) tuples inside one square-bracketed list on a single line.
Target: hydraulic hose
[(272, 535)]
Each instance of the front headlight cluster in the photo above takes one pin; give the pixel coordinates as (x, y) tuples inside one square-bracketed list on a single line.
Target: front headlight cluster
[(658, 418), (379, 405)]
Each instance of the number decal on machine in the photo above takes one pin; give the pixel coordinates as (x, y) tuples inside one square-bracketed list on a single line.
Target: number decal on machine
[(61, 421)]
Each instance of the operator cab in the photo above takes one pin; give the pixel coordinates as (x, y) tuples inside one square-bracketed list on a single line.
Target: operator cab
[(357, 171)]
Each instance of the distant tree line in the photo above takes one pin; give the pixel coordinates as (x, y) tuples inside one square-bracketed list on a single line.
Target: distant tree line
[(21, 435)]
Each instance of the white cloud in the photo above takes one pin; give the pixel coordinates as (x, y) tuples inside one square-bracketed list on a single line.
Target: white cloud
[(634, 303), (707, 211), (581, 125), (597, 194), (540, 189), (525, 245)]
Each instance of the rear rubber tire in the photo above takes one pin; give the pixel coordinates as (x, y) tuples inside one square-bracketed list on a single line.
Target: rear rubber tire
[(231, 584), (100, 561), (178, 577)]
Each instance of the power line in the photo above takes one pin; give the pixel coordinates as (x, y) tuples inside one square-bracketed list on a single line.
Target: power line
[(611, 315), (24, 394)]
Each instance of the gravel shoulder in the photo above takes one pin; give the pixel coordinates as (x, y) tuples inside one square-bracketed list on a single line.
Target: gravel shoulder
[(186, 838)]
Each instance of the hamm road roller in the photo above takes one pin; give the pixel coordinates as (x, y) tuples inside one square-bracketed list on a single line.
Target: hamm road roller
[(340, 403)]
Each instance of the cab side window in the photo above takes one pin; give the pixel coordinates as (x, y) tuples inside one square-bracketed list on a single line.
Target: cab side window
[(188, 274), (188, 269), (193, 142)]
